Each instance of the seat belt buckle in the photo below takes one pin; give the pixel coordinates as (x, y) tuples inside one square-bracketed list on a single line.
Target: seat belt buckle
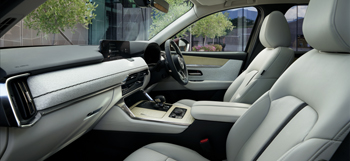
[(205, 144)]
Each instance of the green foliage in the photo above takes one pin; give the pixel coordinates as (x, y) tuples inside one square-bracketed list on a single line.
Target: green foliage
[(161, 20), (212, 26), (218, 47), (55, 15)]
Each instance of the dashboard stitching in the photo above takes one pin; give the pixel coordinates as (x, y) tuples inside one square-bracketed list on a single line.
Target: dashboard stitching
[(84, 82)]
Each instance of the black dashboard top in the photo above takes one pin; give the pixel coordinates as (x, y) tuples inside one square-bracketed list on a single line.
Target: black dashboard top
[(45, 58), (42, 59)]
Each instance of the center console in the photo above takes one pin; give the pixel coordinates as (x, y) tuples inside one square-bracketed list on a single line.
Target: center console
[(170, 113)]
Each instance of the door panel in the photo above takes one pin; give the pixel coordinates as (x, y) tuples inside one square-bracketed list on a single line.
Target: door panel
[(207, 72), (204, 61), (224, 55), (227, 72)]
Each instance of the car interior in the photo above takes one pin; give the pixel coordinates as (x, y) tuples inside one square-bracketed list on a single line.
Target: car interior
[(152, 100)]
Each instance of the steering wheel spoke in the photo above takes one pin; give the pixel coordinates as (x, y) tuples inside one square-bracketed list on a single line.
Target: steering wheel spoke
[(182, 75)]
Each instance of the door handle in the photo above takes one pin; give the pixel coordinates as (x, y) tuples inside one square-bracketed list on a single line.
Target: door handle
[(195, 73)]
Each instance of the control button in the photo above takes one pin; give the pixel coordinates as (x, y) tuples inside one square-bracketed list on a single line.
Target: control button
[(178, 113)]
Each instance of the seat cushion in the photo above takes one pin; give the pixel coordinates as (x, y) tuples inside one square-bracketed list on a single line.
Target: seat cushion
[(164, 152), (185, 102)]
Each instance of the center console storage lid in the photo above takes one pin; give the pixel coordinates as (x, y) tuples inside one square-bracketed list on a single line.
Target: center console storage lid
[(218, 111)]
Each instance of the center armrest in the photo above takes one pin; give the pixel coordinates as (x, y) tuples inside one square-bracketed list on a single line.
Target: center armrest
[(218, 111)]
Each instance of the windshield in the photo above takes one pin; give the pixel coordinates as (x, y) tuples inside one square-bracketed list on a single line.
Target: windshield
[(59, 22)]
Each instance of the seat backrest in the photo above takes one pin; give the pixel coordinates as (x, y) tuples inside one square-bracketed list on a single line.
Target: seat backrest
[(306, 114), (268, 65)]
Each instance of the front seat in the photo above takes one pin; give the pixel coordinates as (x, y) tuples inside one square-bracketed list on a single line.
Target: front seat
[(267, 66), (306, 114)]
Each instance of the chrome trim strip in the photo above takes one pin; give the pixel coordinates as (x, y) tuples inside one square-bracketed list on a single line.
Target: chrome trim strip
[(148, 96), (71, 102), (202, 66), (121, 104), (195, 74), (124, 81), (125, 108), (88, 117), (9, 98), (36, 119)]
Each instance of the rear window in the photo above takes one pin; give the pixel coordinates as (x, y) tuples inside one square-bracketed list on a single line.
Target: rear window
[(295, 17)]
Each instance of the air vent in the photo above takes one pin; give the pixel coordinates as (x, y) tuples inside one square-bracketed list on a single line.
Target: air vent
[(22, 99), (133, 82), (132, 77), (7, 22)]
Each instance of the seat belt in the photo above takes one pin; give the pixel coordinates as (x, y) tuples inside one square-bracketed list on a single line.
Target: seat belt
[(343, 150)]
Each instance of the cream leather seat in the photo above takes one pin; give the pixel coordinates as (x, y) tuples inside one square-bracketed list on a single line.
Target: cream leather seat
[(268, 65), (306, 114)]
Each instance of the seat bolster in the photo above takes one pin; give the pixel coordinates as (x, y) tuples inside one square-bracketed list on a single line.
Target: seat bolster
[(245, 126), (312, 149), (146, 154), (185, 102), (165, 152)]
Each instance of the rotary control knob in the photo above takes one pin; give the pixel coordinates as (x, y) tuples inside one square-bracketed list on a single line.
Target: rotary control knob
[(178, 112)]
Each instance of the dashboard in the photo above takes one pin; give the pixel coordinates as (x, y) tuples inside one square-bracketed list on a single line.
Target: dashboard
[(52, 95)]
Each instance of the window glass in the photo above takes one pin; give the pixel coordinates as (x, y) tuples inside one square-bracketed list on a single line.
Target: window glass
[(227, 30), (295, 17), (114, 20)]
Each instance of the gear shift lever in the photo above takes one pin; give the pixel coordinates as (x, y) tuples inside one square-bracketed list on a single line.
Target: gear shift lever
[(160, 100)]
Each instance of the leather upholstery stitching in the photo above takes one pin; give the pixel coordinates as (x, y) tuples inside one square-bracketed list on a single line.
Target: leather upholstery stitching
[(342, 131), (249, 89), (335, 27), (312, 125), (83, 83), (321, 150), (289, 151), (294, 147), (252, 77), (280, 128)]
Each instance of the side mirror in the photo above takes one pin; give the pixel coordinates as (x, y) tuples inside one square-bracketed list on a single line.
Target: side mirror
[(160, 5), (184, 45)]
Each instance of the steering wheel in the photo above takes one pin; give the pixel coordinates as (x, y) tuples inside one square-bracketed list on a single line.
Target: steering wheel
[(176, 62)]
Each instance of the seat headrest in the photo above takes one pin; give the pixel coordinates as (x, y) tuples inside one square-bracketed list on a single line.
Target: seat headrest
[(327, 25), (275, 31)]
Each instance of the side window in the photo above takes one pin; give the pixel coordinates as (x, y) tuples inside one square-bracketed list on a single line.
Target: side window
[(295, 17), (227, 30)]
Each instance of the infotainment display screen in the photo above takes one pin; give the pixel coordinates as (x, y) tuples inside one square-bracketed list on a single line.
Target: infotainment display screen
[(112, 50)]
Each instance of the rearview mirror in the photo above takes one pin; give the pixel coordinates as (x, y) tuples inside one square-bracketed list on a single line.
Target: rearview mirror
[(160, 5)]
